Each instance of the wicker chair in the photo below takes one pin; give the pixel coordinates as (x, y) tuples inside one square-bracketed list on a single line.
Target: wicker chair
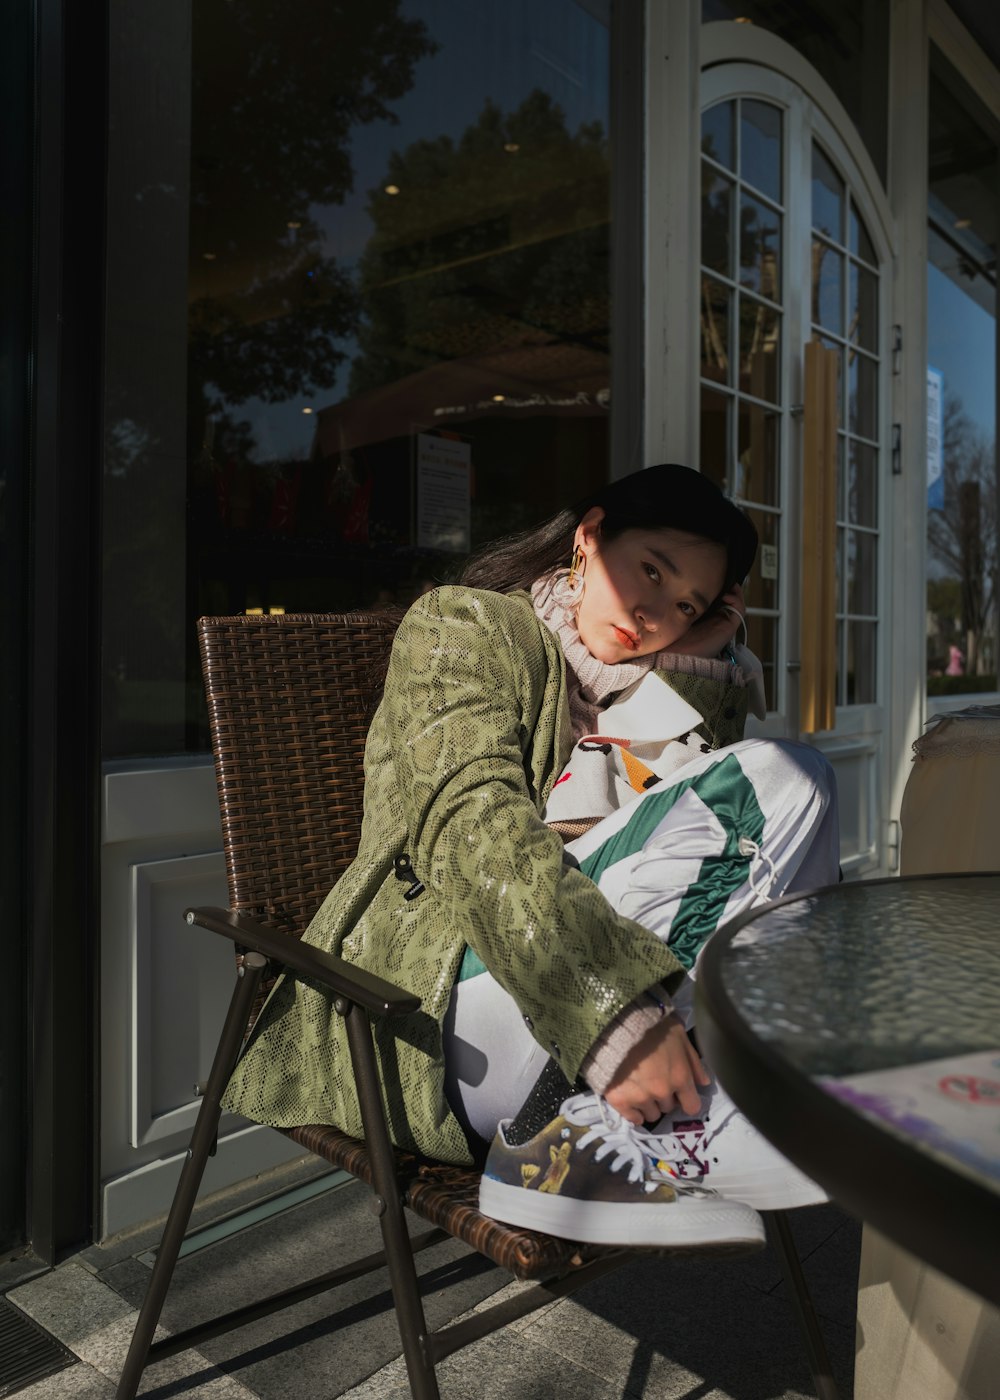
[(289, 699)]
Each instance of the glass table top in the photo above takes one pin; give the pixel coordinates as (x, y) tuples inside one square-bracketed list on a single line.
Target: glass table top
[(888, 995), (871, 976)]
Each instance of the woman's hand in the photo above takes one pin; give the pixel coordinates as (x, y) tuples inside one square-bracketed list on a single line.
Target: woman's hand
[(661, 1073), (713, 632)]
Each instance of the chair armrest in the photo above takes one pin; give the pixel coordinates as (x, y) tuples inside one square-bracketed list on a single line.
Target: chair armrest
[(341, 977)]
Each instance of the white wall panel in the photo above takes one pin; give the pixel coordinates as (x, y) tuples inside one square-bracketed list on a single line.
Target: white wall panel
[(165, 989), (181, 976), (856, 765)]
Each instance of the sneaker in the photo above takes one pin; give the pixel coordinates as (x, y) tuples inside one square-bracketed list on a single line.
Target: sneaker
[(587, 1176), (722, 1149)]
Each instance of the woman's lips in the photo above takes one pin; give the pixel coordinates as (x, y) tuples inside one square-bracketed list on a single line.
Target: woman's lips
[(628, 639)]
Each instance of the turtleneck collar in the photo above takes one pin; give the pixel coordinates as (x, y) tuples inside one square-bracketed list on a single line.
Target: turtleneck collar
[(598, 680)]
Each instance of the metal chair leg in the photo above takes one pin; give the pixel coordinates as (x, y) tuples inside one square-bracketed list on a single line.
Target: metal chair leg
[(202, 1143), (399, 1255), (780, 1234)]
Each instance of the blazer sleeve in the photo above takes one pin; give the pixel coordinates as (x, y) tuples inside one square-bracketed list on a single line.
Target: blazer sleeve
[(468, 687)]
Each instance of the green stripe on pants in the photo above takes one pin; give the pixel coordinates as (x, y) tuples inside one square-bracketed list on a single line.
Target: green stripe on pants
[(728, 793)]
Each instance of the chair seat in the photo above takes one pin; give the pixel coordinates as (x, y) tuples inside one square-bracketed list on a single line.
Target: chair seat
[(447, 1196)]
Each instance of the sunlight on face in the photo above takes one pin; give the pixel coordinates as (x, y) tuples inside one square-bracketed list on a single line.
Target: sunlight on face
[(644, 588)]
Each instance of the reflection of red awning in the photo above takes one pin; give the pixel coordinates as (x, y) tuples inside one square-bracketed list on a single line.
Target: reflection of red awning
[(527, 382)]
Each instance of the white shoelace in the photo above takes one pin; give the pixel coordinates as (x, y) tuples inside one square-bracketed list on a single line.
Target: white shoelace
[(633, 1147), (615, 1134), (749, 847)]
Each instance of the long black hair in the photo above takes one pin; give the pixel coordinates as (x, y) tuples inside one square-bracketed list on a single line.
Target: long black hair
[(665, 496)]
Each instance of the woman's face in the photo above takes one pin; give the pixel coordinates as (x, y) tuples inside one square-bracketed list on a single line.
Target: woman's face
[(644, 588)]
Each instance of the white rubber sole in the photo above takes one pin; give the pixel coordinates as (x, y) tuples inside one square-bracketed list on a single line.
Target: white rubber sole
[(681, 1223)]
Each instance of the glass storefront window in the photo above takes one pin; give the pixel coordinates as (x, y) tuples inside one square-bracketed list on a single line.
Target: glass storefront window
[(358, 311), (962, 525)]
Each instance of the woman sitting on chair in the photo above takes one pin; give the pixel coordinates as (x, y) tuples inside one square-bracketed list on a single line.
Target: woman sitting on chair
[(559, 809)]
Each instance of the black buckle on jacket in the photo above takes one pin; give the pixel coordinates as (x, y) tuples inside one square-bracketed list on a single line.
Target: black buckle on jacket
[(404, 871)]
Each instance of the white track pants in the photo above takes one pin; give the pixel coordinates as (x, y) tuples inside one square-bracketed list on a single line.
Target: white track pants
[(730, 830)]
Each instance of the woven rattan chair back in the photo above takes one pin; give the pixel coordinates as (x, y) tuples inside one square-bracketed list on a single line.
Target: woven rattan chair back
[(290, 698)]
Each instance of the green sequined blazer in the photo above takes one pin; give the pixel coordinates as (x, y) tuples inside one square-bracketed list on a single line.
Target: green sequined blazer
[(472, 731)]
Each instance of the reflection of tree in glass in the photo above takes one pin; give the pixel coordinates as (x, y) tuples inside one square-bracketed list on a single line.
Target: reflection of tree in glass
[(962, 537), (760, 330), (714, 330), (499, 239), (826, 292), (759, 261), (278, 88), (716, 194)]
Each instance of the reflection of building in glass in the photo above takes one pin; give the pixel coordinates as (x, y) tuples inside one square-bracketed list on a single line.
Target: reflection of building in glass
[(962, 522)]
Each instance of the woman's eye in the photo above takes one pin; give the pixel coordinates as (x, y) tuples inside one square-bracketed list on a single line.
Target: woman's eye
[(652, 572), (688, 609)]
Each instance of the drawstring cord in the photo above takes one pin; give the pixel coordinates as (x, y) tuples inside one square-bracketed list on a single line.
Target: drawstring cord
[(748, 847)]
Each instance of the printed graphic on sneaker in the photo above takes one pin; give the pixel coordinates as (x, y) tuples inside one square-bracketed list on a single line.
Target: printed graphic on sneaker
[(691, 1162), (726, 1152)]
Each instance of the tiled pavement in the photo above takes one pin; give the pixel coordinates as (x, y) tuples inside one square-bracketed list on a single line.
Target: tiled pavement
[(658, 1329)]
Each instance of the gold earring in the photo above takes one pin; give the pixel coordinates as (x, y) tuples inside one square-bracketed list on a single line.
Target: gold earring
[(569, 584)]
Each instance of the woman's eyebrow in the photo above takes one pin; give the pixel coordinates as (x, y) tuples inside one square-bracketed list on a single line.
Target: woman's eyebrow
[(672, 568)]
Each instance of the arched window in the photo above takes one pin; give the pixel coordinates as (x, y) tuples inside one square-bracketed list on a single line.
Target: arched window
[(791, 256)]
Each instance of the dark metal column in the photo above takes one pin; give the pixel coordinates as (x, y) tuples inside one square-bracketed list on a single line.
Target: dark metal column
[(16, 168), (62, 740)]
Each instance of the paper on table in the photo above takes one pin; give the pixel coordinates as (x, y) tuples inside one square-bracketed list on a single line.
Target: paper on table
[(950, 1106)]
